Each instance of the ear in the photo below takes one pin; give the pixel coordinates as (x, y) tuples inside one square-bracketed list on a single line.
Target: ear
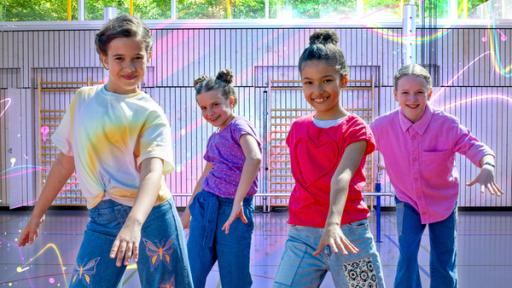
[(104, 60), (343, 81), (395, 93), (232, 102), (150, 54), (429, 94)]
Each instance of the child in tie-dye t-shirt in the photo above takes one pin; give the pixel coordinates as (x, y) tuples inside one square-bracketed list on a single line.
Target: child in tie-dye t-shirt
[(117, 140)]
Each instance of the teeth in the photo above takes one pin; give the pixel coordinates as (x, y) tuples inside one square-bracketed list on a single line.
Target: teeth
[(319, 100)]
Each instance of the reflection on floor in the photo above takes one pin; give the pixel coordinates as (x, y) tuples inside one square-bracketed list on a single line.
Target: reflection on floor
[(484, 250)]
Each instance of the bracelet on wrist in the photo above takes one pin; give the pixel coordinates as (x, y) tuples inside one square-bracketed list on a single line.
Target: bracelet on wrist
[(489, 164)]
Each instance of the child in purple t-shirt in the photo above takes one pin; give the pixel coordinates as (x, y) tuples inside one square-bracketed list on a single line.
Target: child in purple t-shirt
[(221, 204)]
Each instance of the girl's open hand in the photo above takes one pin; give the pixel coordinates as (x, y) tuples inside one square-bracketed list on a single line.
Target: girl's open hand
[(236, 212), (334, 238), (30, 232), (486, 180)]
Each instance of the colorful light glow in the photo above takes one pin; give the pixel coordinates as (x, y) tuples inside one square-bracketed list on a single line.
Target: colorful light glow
[(22, 268), (494, 47), (481, 97), (20, 170), (435, 95), (7, 102)]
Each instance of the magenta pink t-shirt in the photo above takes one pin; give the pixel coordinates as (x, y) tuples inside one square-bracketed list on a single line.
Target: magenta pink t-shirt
[(315, 153)]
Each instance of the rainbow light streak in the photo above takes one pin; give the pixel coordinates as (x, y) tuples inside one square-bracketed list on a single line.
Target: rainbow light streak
[(481, 97), (495, 55), (7, 172), (8, 103), (435, 95), (387, 34), (22, 268)]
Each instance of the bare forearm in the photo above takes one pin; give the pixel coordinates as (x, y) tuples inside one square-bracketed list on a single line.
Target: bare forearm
[(249, 172), (61, 170), (146, 197), (338, 198)]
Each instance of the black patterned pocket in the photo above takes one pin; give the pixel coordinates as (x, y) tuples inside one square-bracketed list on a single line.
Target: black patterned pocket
[(360, 273)]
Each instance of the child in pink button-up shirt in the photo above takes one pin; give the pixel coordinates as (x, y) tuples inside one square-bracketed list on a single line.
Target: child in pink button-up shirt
[(418, 144)]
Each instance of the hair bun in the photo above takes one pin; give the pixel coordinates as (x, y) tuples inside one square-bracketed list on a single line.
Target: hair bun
[(199, 80), (225, 76), (324, 37)]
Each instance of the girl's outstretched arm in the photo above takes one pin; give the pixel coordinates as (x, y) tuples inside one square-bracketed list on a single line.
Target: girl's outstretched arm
[(185, 218), (61, 170), (249, 171), (333, 236), (127, 241)]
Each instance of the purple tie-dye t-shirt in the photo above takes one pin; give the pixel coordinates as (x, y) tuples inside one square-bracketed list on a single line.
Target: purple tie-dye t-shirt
[(227, 157)]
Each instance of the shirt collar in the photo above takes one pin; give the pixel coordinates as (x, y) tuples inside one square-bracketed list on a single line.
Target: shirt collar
[(419, 126)]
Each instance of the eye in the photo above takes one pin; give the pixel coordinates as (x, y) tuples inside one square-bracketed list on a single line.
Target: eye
[(328, 80), (307, 82), (118, 58)]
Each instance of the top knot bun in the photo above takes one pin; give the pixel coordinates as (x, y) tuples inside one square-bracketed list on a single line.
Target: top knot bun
[(225, 76), (324, 37), (199, 80)]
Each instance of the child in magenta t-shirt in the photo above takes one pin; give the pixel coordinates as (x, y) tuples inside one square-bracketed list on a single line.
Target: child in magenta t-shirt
[(221, 205), (327, 215)]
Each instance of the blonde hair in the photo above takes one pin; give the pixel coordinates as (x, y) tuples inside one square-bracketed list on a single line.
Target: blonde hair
[(413, 70)]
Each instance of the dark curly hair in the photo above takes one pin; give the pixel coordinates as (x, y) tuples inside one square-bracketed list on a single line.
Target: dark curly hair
[(222, 82)]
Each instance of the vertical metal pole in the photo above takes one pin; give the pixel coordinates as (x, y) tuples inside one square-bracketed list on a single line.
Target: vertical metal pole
[(173, 10), (81, 10), (131, 7), (69, 11), (409, 34), (267, 9)]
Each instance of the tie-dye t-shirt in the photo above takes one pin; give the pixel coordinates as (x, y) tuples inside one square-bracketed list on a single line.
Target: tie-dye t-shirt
[(109, 135), (225, 153)]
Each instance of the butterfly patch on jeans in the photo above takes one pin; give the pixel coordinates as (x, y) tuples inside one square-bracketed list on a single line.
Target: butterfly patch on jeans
[(360, 273), (85, 272), (158, 253)]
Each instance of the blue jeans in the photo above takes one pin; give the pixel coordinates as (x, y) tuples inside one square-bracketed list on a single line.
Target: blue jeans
[(443, 272), (162, 262), (299, 268), (207, 242)]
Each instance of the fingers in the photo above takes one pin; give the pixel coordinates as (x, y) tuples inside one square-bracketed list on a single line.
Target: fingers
[(226, 225), (472, 182), (128, 254), (320, 248), (242, 217)]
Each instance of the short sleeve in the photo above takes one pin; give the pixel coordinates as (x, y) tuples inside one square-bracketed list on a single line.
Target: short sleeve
[(63, 135), (357, 130), (155, 140), (242, 127)]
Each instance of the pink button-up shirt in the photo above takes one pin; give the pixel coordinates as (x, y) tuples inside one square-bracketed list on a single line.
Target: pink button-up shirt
[(420, 159)]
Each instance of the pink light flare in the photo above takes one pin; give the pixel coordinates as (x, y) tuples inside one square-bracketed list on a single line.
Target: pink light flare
[(44, 133), (435, 95), (8, 101), (481, 97)]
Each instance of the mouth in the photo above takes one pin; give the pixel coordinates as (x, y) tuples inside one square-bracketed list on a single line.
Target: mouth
[(129, 77), (320, 100), (412, 106)]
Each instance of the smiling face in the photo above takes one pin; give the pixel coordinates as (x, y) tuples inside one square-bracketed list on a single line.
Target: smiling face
[(216, 109), (321, 84), (126, 61), (412, 94)]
